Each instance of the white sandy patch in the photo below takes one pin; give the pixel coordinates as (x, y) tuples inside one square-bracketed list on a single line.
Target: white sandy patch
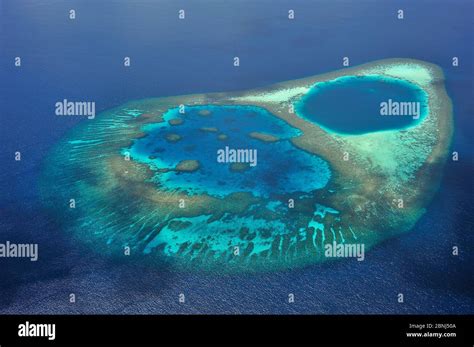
[(412, 72), (417, 74), (278, 96)]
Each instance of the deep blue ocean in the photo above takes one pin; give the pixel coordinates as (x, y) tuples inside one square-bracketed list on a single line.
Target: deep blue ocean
[(83, 60)]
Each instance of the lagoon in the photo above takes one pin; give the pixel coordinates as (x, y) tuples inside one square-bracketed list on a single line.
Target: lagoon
[(203, 131), (352, 105)]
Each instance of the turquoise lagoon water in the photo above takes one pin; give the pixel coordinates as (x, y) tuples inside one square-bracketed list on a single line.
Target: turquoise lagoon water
[(281, 167), (351, 104)]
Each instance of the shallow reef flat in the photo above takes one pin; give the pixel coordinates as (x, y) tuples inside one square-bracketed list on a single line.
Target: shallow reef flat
[(144, 176)]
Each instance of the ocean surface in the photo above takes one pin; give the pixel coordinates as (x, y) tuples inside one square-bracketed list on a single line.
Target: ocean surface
[(82, 59)]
